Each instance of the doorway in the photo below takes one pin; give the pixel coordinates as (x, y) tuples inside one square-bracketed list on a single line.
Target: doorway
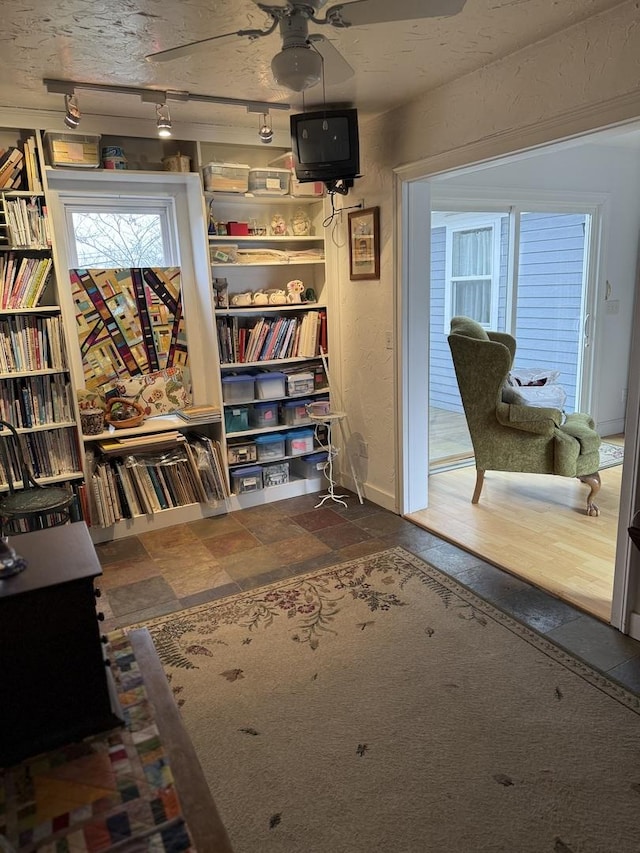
[(526, 272)]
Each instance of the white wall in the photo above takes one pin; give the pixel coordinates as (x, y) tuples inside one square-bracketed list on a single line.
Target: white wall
[(585, 78)]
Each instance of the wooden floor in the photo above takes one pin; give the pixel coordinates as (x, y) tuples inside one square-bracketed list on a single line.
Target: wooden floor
[(534, 526)]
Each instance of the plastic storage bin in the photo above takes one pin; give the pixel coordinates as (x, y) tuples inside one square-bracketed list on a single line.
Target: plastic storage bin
[(242, 451), (294, 412), (247, 479), (299, 442), (238, 389), (308, 189), (226, 177), (270, 447), (236, 419), (310, 466), (319, 407), (276, 474), (269, 385), (73, 149), (263, 414), (269, 181), (284, 161), (300, 383)]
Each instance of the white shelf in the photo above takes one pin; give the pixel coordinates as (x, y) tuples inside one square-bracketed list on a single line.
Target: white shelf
[(269, 309), (262, 430), (235, 364), (266, 238), (24, 248), (286, 397), (45, 427), (249, 199), (13, 374), (43, 481), (158, 423), (41, 309)]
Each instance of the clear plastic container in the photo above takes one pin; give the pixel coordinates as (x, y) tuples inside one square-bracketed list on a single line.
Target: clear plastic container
[(247, 479), (263, 414), (299, 442), (269, 181), (310, 466), (226, 177), (294, 412), (238, 389), (270, 447), (270, 385), (244, 451), (236, 419), (300, 383)]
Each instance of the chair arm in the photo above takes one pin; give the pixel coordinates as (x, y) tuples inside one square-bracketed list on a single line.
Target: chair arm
[(536, 419)]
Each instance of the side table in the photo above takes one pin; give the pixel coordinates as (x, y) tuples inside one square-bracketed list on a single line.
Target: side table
[(328, 419), (52, 666)]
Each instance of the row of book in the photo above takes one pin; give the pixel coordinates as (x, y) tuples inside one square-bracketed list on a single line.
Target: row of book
[(128, 486), (244, 340), (11, 168), (31, 343), (19, 168), (50, 453), (36, 400), (22, 280), (27, 222)]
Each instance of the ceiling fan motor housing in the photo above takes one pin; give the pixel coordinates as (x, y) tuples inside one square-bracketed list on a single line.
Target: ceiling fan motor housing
[(297, 66)]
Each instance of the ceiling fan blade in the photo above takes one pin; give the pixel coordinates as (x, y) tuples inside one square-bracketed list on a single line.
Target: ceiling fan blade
[(383, 11), (336, 67), (201, 44)]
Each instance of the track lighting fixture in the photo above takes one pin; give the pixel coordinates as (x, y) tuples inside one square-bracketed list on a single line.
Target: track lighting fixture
[(266, 131), (164, 120), (72, 115)]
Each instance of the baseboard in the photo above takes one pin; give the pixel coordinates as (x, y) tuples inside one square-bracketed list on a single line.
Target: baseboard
[(371, 493), (613, 427)]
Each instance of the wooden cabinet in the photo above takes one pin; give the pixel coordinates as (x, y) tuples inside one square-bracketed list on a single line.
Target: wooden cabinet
[(52, 669)]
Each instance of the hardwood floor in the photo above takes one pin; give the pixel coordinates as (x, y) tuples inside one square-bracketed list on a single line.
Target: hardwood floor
[(535, 527)]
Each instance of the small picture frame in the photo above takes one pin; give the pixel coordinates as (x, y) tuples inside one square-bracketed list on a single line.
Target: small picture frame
[(364, 244)]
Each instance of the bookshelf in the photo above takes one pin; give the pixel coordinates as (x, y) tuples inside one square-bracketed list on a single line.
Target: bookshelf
[(36, 389)]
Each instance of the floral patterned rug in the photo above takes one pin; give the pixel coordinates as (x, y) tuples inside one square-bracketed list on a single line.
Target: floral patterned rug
[(610, 455), (378, 705)]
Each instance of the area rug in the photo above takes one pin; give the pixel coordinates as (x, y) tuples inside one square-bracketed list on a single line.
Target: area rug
[(610, 455), (111, 791), (379, 705)]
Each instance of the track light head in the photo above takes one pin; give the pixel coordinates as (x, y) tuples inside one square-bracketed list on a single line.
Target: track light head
[(266, 131), (72, 111), (163, 121)]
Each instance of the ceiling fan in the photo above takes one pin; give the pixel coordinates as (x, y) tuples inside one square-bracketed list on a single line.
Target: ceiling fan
[(306, 57)]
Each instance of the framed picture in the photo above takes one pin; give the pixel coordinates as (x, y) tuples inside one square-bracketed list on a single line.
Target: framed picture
[(364, 244)]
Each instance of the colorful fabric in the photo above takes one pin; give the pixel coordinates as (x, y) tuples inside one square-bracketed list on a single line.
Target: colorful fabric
[(114, 788), (162, 392)]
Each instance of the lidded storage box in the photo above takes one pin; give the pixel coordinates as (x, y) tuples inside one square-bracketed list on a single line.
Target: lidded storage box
[(270, 447), (299, 442), (300, 383), (241, 451), (236, 419), (73, 149), (226, 177), (263, 415), (310, 466), (269, 385), (294, 412), (276, 474), (238, 389), (269, 181), (247, 479)]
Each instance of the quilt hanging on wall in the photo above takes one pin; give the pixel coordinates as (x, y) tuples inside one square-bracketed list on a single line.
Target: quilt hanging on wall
[(129, 322)]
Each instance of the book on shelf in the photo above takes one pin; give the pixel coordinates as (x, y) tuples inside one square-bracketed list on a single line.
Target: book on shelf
[(11, 167), (199, 413), (114, 446)]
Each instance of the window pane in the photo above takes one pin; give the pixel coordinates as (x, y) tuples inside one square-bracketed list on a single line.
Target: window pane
[(109, 240), (473, 299), (471, 252)]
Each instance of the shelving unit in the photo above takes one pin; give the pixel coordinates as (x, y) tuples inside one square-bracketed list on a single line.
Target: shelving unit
[(36, 393)]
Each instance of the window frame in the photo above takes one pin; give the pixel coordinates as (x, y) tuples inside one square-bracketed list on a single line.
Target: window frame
[(466, 222), (163, 207)]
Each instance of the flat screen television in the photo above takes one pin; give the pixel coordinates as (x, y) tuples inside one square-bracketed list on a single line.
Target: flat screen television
[(325, 145)]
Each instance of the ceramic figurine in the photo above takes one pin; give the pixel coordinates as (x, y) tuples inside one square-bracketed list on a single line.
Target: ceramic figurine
[(241, 300), (295, 289), (278, 225), (260, 298), (277, 297), (300, 224)]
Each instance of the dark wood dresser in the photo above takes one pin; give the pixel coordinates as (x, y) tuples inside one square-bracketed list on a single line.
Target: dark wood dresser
[(53, 676)]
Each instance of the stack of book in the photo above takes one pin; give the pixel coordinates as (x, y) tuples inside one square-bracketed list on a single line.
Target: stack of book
[(196, 414), (271, 338), (11, 166), (125, 484), (27, 223)]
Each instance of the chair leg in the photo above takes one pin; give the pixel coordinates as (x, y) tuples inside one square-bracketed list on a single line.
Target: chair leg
[(478, 488), (593, 481)]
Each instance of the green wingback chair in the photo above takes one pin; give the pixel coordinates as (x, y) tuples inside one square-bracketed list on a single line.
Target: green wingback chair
[(511, 436)]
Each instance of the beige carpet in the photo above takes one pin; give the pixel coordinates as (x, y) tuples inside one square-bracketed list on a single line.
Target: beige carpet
[(380, 706)]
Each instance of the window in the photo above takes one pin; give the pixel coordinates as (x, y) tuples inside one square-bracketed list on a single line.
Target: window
[(123, 232), (472, 270)]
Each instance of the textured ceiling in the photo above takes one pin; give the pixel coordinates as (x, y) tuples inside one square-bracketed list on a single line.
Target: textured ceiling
[(394, 62)]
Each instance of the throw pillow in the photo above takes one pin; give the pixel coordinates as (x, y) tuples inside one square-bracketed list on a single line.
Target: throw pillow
[(160, 393)]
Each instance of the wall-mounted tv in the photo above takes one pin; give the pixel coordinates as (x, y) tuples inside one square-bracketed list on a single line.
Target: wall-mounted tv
[(325, 146)]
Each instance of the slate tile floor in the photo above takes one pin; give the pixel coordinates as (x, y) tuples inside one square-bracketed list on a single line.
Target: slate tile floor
[(177, 567)]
